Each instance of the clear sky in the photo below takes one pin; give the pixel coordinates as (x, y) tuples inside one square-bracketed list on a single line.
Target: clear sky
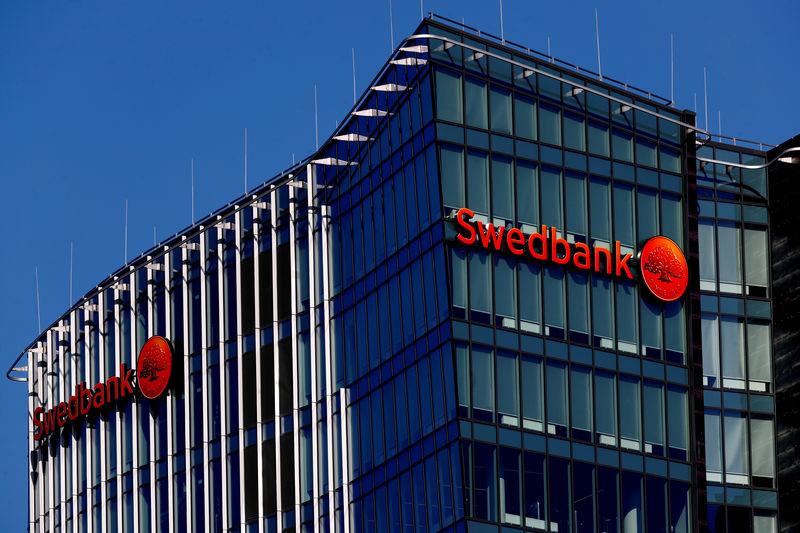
[(103, 102)]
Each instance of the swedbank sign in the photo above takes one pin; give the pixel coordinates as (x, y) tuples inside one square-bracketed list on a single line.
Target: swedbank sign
[(150, 379), (661, 262)]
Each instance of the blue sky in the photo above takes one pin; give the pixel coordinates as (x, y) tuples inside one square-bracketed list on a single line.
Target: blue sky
[(103, 102)]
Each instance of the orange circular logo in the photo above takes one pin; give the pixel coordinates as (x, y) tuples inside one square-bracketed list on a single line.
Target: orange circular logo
[(154, 367), (664, 268)]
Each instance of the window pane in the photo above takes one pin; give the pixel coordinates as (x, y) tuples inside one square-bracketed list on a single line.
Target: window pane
[(622, 146), (574, 132), (675, 331), (525, 117), (502, 189), (624, 210), (458, 260), (583, 496), (527, 193), (483, 382), (759, 356), (732, 335), (475, 95), (508, 388), (501, 110), (630, 413), (448, 96), (478, 181), (532, 401), (646, 153), (606, 400), (535, 511), (576, 206), (672, 218), (530, 304), (730, 258), (648, 213), (480, 286), (679, 507), (708, 257), (600, 212), (550, 124), (510, 489), (452, 159), (598, 138), (678, 404), (603, 312), (627, 327), (763, 453), (505, 292), (735, 448), (581, 393), (608, 500), (579, 307), (632, 511), (755, 242), (557, 399), (485, 482), (560, 515), (462, 371), (654, 418), (554, 296), (552, 198), (713, 427)]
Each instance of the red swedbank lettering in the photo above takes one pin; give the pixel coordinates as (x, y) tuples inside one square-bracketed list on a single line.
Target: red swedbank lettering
[(545, 245)]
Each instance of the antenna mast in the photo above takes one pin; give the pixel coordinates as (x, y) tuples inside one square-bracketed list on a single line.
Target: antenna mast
[(597, 33)]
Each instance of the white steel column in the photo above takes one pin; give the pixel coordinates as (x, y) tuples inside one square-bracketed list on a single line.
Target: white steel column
[(170, 401), (33, 400), (312, 305), (73, 443), (52, 401), (273, 202), (131, 287), (240, 379), (187, 394), (259, 414), (204, 374), (344, 415), (293, 273), (326, 309), (223, 401), (151, 320)]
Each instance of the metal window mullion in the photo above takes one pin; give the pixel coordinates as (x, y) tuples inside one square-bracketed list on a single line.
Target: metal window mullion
[(42, 360), (326, 309), (151, 319), (74, 441), (293, 272), (188, 392), (64, 387), (170, 402), (312, 305), (259, 385), (134, 406), (87, 333), (345, 457), (32, 400), (276, 356), (53, 402), (101, 376), (204, 375), (239, 388), (223, 401), (117, 325)]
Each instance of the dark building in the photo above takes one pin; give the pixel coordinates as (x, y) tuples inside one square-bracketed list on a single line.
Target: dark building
[(505, 295)]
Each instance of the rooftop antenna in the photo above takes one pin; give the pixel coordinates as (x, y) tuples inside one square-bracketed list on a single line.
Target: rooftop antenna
[(245, 160), (316, 130), (38, 312), (502, 36), (719, 116), (391, 26), (705, 92), (421, 12), (70, 272), (293, 158), (671, 70), (154, 236), (597, 33), (548, 48), (193, 190), (125, 259), (354, 75), (695, 103)]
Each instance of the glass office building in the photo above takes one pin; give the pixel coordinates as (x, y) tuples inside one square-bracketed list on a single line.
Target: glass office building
[(342, 362)]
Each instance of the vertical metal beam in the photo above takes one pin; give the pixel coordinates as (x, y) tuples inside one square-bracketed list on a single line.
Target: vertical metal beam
[(204, 374), (74, 443), (273, 200), (293, 273), (170, 401), (187, 388), (326, 309), (237, 222), (134, 406), (151, 320), (312, 305), (343, 398), (259, 385), (223, 401)]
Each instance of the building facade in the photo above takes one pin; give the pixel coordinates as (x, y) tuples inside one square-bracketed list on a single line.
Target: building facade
[(343, 361)]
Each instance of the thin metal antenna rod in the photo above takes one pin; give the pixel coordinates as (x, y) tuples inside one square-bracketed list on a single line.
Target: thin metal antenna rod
[(502, 35), (391, 26), (154, 236), (70, 272), (421, 12), (125, 259), (672, 69), (705, 92), (548, 48), (245, 160), (316, 130), (38, 309), (597, 33), (719, 115), (695, 103), (193, 190), (354, 75)]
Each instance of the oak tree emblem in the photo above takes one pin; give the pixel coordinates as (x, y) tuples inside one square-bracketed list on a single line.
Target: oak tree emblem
[(662, 261), (155, 362)]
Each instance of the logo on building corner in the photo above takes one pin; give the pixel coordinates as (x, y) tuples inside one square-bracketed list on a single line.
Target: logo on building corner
[(664, 268), (153, 367)]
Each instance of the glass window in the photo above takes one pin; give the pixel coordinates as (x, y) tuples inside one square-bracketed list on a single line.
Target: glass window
[(654, 417), (672, 218), (478, 181), (627, 327), (732, 351), (759, 356), (554, 306), (656, 504), (448, 96), (713, 430), (483, 383), (557, 398), (480, 286), (622, 146), (452, 159), (763, 451), (632, 510), (603, 312), (560, 514), (510, 487), (532, 393), (552, 202), (646, 153), (736, 448), (579, 307), (608, 499), (507, 388), (500, 101), (525, 117), (505, 292), (527, 193), (708, 255), (458, 261), (648, 213), (583, 496), (755, 261), (575, 185), (485, 482), (675, 331), (730, 257), (606, 401), (598, 138), (475, 96), (581, 404), (624, 210), (630, 413), (651, 328), (550, 124), (600, 212), (530, 304), (462, 371), (574, 132), (678, 417), (534, 481), (502, 189)]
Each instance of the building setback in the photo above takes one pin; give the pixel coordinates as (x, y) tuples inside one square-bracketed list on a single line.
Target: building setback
[(466, 310)]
